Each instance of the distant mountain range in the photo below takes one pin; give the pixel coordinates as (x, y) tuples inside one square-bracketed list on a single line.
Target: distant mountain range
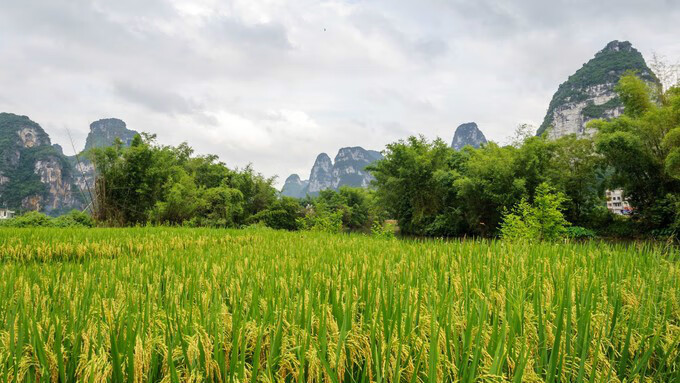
[(36, 175), (588, 94), (348, 169)]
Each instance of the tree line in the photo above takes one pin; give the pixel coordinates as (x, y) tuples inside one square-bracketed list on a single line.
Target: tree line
[(533, 187), (148, 183), (433, 190)]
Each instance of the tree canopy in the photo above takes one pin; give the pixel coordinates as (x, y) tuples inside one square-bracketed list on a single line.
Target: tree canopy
[(147, 182), (428, 187)]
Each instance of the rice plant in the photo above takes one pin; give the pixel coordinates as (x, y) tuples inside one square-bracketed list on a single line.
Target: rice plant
[(195, 305)]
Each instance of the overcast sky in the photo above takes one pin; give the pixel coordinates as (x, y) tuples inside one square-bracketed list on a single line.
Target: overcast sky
[(274, 83)]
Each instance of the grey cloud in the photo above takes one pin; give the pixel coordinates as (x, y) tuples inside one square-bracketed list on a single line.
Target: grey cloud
[(262, 35), (166, 102), (155, 99), (431, 47), (404, 100), (373, 24), (251, 79)]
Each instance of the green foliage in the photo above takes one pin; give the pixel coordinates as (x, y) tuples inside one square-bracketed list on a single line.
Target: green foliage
[(433, 190), (284, 213), (322, 218), (607, 67), (346, 209), (215, 305), (576, 169), (74, 218), (490, 183), (621, 227), (642, 148), (385, 230), (181, 199), (149, 183), (357, 206), (545, 217), (414, 184), (219, 207), (30, 219), (635, 95), (592, 111), (672, 163), (543, 220), (578, 232)]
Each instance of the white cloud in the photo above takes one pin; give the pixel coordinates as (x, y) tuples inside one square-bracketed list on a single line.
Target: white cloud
[(275, 82)]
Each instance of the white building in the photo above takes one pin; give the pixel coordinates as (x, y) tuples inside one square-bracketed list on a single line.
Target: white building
[(616, 203), (6, 214)]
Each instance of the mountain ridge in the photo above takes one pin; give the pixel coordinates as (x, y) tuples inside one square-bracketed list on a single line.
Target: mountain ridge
[(468, 134), (105, 131), (590, 94), (36, 174), (348, 169)]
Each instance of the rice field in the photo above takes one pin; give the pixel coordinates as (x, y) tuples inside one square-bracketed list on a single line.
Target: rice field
[(195, 305)]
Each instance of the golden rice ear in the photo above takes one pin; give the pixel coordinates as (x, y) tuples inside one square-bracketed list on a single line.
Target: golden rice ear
[(336, 307)]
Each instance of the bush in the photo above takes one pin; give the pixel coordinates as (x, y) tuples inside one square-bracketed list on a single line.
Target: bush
[(74, 218), (383, 230), (321, 218), (578, 232), (283, 214), (622, 227), (542, 220), (30, 219)]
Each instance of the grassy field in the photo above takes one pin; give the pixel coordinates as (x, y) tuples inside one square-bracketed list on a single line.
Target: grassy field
[(174, 305)]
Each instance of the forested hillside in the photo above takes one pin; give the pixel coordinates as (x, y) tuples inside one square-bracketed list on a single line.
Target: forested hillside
[(589, 93)]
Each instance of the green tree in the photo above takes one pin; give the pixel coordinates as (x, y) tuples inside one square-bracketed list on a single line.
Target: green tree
[(73, 218), (413, 184), (130, 180), (576, 169), (641, 149), (321, 217), (285, 214), (542, 220), (180, 199), (207, 171), (489, 185), (147, 182), (355, 205), (635, 95), (257, 191), (220, 206)]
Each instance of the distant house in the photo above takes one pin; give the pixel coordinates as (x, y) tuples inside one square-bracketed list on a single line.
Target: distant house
[(616, 203), (6, 214)]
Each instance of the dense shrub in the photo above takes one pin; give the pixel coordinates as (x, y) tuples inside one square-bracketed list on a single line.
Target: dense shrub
[(578, 232), (284, 213), (321, 218), (542, 220), (148, 183), (30, 219), (74, 218)]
